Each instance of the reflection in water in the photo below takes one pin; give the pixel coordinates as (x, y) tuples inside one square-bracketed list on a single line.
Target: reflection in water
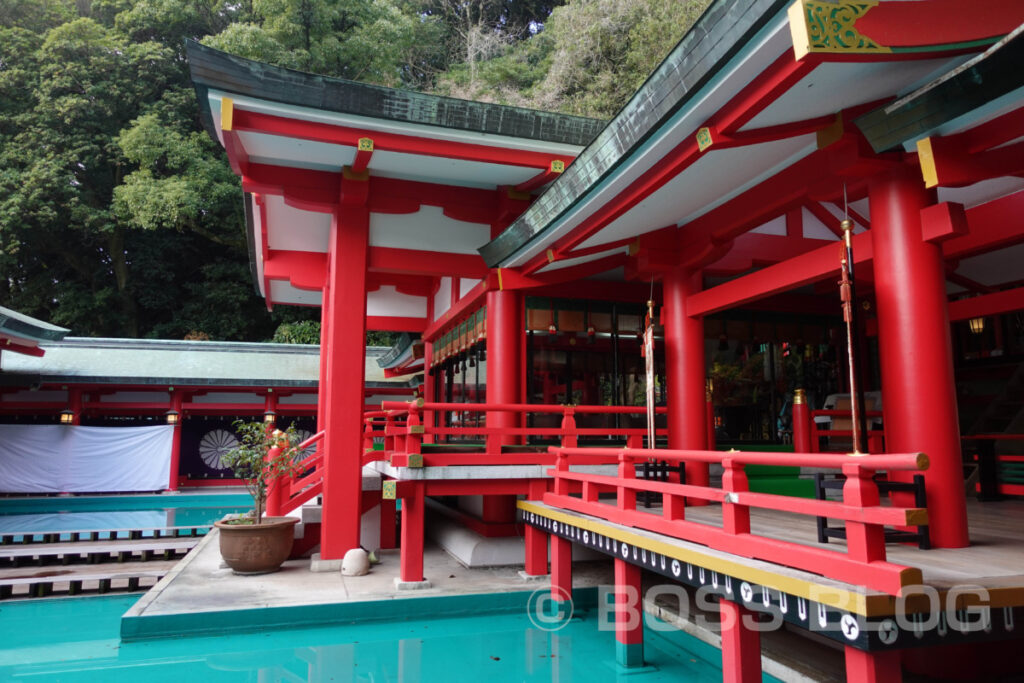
[(53, 642)]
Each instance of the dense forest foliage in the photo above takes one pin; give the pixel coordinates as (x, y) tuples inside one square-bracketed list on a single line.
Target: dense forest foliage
[(120, 217)]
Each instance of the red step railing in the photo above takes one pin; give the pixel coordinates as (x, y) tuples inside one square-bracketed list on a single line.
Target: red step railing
[(404, 428), (863, 563), (286, 494)]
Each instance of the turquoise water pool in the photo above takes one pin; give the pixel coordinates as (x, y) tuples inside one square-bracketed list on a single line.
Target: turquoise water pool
[(76, 639), (80, 513)]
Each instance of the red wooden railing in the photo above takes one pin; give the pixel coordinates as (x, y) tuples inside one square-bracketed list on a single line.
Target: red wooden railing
[(982, 449), (876, 437), (402, 426), (287, 494), (863, 563)]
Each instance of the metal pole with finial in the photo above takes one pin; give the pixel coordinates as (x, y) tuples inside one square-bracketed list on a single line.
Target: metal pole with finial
[(848, 295), (649, 367)]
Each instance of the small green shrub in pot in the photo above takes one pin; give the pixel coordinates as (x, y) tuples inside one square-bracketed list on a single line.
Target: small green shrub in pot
[(250, 462)]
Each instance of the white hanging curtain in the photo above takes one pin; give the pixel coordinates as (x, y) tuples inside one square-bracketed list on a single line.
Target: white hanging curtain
[(76, 459)]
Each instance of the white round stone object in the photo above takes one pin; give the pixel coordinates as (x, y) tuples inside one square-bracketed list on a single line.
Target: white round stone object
[(355, 563)]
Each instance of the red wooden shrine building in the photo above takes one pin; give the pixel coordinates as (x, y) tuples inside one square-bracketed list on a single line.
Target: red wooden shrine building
[(522, 246), (197, 388)]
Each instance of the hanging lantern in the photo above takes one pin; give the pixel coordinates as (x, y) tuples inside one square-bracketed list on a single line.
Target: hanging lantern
[(66, 417), (977, 325), (173, 416), (269, 417)]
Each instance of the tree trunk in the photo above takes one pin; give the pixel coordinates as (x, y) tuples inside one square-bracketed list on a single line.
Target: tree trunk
[(119, 263)]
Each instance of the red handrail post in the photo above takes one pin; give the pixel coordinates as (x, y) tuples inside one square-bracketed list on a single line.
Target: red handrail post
[(801, 422), (864, 542), (735, 516), (414, 428), (561, 465), (627, 470), (368, 436), (389, 434), (570, 439), (275, 487)]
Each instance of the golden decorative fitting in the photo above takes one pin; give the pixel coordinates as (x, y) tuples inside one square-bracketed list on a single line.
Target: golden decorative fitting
[(819, 26), (799, 397), (415, 460), (704, 139), (389, 491), (557, 166), (365, 144), (416, 429), (857, 454), (846, 224)]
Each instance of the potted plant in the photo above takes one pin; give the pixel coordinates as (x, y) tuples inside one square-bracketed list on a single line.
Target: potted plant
[(252, 543)]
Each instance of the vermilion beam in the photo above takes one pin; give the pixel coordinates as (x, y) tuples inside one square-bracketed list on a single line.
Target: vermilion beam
[(781, 75), (825, 217), (391, 142), (432, 263), (946, 162), (938, 23), (796, 272), (8, 345), (511, 278), (742, 108), (542, 178), (305, 270), (756, 250), (992, 225), (473, 299), (390, 323), (995, 303)]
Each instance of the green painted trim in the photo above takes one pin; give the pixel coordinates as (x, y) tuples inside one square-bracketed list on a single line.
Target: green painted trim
[(20, 506)]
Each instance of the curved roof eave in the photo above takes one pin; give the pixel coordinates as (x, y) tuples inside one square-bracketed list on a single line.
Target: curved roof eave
[(724, 29), (19, 326), (214, 69)]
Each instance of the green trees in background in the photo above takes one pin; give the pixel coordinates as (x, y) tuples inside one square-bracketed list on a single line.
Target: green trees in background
[(120, 217)]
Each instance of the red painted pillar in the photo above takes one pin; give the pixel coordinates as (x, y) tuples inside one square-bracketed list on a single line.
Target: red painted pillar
[(919, 399), (388, 515), (629, 615), (684, 372), (536, 541), (412, 534), (504, 345), (342, 385), (321, 390), (741, 645), (873, 667), (801, 422), (561, 569), (174, 469)]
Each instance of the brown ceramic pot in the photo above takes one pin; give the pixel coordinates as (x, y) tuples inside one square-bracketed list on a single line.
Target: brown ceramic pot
[(257, 548)]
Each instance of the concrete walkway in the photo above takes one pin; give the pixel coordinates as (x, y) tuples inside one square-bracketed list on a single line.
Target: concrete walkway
[(201, 595)]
